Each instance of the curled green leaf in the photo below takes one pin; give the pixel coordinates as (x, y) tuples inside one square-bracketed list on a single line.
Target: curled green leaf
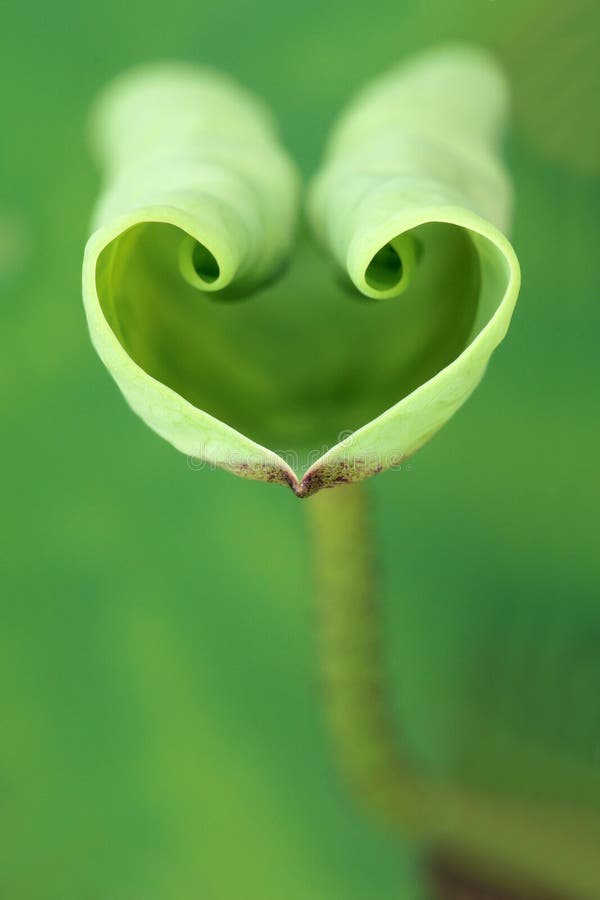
[(199, 210), (413, 164), (198, 195)]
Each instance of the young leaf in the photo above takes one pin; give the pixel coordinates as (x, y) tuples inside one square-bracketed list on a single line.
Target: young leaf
[(201, 197), (199, 210), (419, 147)]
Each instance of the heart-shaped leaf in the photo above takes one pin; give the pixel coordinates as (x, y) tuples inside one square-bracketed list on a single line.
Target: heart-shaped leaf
[(351, 370)]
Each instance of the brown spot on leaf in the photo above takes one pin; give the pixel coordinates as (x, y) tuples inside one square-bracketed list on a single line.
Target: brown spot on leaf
[(333, 474), (265, 472)]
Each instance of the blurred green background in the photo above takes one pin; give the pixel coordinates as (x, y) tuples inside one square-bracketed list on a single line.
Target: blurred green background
[(161, 733)]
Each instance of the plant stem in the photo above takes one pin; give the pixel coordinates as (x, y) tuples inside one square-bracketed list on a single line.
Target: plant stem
[(489, 842), (351, 657)]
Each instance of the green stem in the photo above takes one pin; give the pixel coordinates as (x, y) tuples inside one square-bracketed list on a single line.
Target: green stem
[(507, 840), (351, 658)]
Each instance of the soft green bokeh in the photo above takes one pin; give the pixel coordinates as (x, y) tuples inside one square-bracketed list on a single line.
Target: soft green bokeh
[(161, 735)]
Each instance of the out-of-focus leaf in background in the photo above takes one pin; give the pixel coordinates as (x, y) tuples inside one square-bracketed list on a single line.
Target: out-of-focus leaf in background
[(551, 53), (160, 727)]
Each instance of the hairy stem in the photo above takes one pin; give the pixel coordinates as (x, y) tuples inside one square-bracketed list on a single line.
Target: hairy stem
[(351, 657), (481, 847)]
